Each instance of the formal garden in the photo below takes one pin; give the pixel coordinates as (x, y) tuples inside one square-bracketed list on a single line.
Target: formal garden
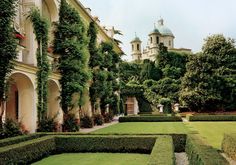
[(201, 132)]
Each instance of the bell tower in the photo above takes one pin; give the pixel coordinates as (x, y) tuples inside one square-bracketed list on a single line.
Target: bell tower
[(136, 48)]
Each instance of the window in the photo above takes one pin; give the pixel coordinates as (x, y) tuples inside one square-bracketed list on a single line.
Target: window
[(138, 47), (132, 47), (170, 43), (151, 40), (157, 40)]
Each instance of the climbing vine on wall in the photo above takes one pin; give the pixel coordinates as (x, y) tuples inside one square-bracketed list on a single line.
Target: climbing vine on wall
[(41, 28), (95, 62), (71, 44), (8, 47)]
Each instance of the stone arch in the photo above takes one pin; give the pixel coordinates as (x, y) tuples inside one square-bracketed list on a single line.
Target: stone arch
[(54, 109), (21, 105), (50, 10)]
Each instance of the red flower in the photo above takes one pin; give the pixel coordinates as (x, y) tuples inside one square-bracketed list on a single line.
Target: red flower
[(19, 36)]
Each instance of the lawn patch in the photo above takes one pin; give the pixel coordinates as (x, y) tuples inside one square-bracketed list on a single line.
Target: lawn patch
[(96, 158)]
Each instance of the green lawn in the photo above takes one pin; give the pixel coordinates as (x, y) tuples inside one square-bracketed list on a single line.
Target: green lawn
[(213, 132), (95, 159), (144, 128)]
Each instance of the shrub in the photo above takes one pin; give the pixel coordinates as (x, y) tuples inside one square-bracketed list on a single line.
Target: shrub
[(200, 153), (133, 144), (18, 139), (46, 125), (70, 124), (108, 117), (10, 129), (229, 145), (162, 152), (98, 119), (212, 118), (86, 122), (27, 152), (166, 102), (150, 119)]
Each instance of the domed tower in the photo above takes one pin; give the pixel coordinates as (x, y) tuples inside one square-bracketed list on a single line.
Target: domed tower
[(136, 48), (167, 36), (154, 37), (154, 40)]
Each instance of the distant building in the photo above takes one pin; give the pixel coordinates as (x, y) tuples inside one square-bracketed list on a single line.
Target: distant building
[(160, 34)]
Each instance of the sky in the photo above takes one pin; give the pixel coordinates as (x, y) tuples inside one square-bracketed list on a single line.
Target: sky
[(191, 21)]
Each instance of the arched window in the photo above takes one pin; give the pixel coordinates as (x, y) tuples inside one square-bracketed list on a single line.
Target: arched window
[(132, 47), (138, 47), (151, 40), (169, 42)]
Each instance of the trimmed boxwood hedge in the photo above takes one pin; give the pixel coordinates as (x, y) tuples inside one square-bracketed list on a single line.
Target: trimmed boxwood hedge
[(18, 139), (229, 145), (133, 144), (150, 119), (162, 152), (212, 118), (27, 152), (201, 154)]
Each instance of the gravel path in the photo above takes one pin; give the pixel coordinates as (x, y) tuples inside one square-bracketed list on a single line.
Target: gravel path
[(181, 158)]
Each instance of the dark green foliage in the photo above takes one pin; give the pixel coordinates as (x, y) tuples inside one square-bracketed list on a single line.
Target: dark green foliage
[(8, 47), (41, 28), (132, 144), (150, 119), (71, 123), (98, 119), (10, 129), (27, 152), (209, 83), (86, 122), (200, 153), (96, 58), (150, 71), (129, 71), (162, 152), (71, 44), (229, 145), (111, 86), (166, 102), (46, 125), (18, 139), (212, 118), (143, 104), (164, 88)]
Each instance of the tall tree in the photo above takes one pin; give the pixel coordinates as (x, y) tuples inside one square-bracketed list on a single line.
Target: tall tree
[(8, 47), (209, 83), (71, 44)]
